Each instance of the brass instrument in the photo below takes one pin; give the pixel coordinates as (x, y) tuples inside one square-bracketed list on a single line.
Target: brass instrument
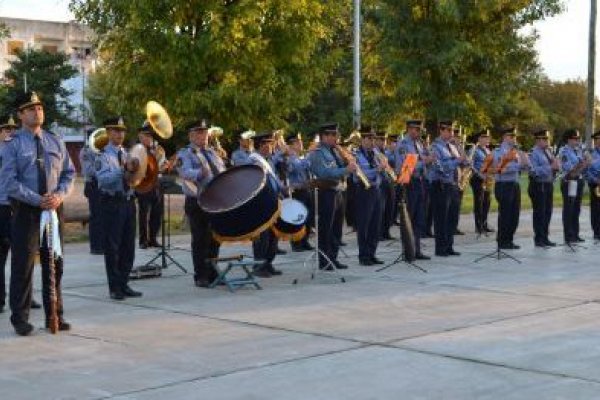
[(98, 139), (488, 171), (349, 158), (383, 161), (464, 173), (353, 141), (159, 120), (215, 133)]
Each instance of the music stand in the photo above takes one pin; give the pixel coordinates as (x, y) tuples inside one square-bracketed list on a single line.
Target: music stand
[(498, 254), (167, 185), (330, 266)]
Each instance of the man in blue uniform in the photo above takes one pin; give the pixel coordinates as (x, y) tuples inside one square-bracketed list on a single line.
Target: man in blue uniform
[(38, 175), (368, 199), (388, 191), (593, 179), (197, 165), (481, 194), (444, 189), (7, 129), (117, 209), (298, 174), (87, 159), (508, 163), (415, 190), (150, 202), (327, 165), (429, 173), (573, 166), (541, 187), (242, 154)]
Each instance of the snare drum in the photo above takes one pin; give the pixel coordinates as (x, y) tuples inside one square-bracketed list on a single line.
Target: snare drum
[(291, 224)]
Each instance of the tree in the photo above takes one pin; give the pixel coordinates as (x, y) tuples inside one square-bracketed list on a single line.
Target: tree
[(455, 58), (242, 63), (45, 72)]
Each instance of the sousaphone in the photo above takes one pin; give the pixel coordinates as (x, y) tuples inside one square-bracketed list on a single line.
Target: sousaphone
[(145, 178)]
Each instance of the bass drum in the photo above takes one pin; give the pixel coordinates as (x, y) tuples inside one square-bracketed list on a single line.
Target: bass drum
[(240, 204), (291, 224)]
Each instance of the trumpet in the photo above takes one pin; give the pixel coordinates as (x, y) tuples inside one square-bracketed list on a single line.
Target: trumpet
[(349, 158)]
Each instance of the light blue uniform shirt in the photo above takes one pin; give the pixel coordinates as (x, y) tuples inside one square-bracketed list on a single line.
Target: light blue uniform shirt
[(593, 171), (298, 170), (512, 168), (20, 169), (569, 158), (110, 171), (3, 192), (190, 163), (371, 172), (87, 160), (541, 168), (446, 164), (323, 165), (241, 157), (478, 155)]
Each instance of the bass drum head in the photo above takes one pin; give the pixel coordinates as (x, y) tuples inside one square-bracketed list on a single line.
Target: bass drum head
[(232, 189), (293, 212)]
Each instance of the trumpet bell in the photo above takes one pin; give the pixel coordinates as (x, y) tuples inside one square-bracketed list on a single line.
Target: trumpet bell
[(98, 139), (159, 120)]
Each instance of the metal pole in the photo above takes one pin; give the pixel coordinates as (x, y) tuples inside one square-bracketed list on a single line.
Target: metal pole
[(591, 81), (356, 109)]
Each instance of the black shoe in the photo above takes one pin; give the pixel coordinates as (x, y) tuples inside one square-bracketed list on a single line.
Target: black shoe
[(327, 267), (421, 256), (117, 296), (339, 265), (387, 236), (143, 245), (23, 328), (62, 325), (154, 243), (366, 262), (441, 254), (451, 252), (272, 270), (459, 232), (35, 304), (377, 261), (487, 229), (261, 272), (540, 244), (129, 292), (548, 243), (308, 246), (280, 251), (202, 283), (97, 252), (429, 235), (296, 248), (342, 244), (579, 239), (514, 246)]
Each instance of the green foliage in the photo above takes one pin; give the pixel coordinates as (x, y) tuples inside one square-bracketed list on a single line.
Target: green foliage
[(241, 63), (45, 73)]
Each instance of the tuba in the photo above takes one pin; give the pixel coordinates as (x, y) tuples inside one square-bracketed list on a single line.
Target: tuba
[(215, 133), (98, 139)]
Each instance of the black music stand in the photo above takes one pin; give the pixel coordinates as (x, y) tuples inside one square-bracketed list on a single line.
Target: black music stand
[(330, 266), (498, 254), (167, 186), (404, 219)]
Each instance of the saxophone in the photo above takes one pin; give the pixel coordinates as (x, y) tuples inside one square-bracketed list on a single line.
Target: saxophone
[(488, 172), (382, 160), (349, 158)]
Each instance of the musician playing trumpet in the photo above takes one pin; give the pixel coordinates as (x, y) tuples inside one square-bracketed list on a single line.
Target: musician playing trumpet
[(593, 179), (544, 167), (481, 196), (573, 166), (117, 209), (415, 191), (508, 164)]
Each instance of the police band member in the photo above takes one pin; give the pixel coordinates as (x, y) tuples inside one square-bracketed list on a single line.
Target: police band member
[(429, 174), (573, 165), (298, 174), (197, 165), (481, 194), (87, 160), (367, 201), (459, 145), (327, 165), (444, 190), (7, 130), (150, 203), (544, 167), (241, 155), (265, 246), (415, 190), (508, 163), (38, 174), (593, 179), (388, 190), (117, 209)]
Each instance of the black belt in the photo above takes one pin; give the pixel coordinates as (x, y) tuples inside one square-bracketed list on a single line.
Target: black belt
[(116, 197)]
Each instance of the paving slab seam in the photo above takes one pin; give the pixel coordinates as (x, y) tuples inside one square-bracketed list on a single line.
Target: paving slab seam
[(507, 292), (231, 372)]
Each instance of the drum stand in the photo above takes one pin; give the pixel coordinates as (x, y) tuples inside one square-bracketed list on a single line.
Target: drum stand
[(330, 266)]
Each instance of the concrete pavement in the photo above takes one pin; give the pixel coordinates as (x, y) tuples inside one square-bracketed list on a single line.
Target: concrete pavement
[(491, 330)]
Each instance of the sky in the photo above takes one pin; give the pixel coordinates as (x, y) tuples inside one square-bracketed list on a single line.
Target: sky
[(562, 45)]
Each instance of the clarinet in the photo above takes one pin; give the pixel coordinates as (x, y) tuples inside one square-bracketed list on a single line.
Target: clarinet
[(53, 317)]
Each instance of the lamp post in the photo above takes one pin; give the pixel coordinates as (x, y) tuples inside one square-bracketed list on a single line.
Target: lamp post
[(591, 81), (356, 109)]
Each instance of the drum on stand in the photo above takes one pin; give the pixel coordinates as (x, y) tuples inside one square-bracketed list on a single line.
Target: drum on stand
[(240, 203), (291, 224)]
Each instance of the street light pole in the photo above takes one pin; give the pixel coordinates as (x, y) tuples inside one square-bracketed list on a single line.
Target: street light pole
[(591, 81), (356, 109)]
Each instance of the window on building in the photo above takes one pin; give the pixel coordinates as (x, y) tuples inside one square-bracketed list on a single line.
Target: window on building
[(50, 48), (15, 46)]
